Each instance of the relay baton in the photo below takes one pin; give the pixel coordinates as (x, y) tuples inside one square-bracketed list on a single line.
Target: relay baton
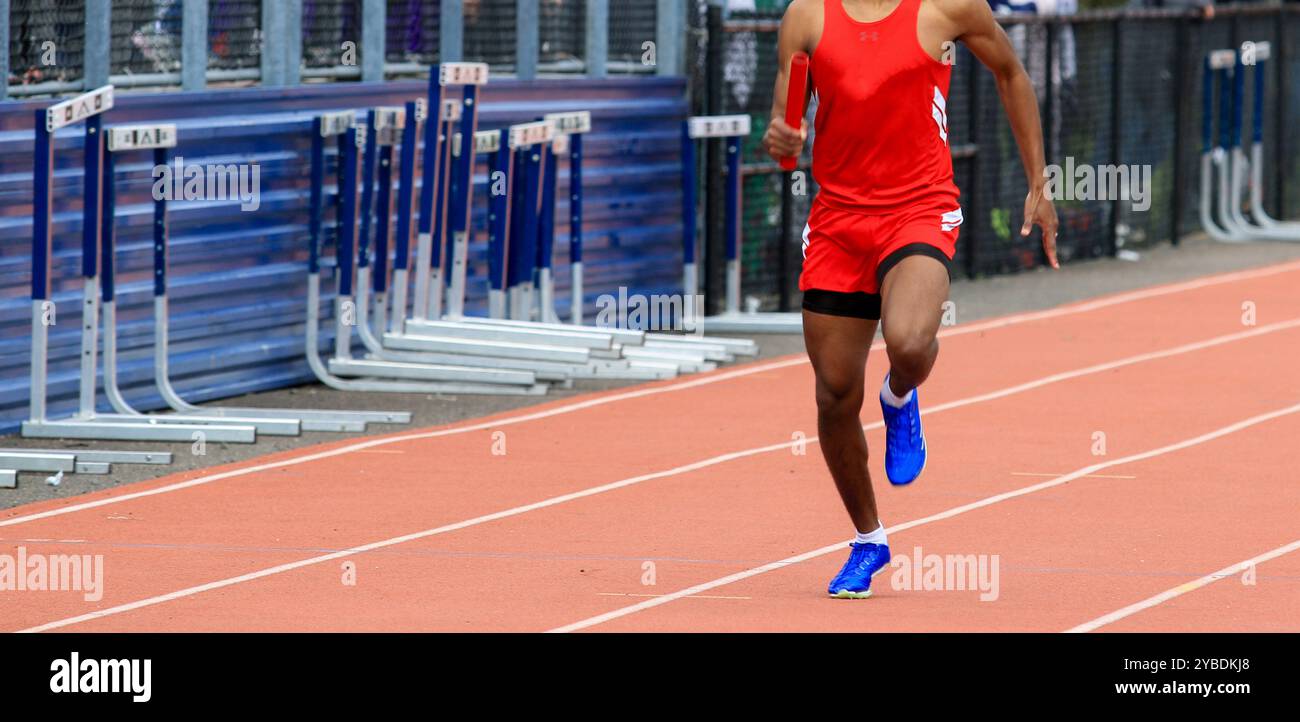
[(798, 90)]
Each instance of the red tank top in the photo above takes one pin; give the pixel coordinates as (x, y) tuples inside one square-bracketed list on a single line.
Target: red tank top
[(882, 126)]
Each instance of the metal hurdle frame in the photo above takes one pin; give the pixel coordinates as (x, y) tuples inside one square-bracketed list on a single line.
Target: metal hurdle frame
[(521, 242), (380, 134), (635, 344), (159, 138), (731, 128), (1213, 157), (389, 341), (1244, 167), (86, 423), (1225, 70), (444, 211), (342, 124), (571, 126), (518, 245), (331, 420)]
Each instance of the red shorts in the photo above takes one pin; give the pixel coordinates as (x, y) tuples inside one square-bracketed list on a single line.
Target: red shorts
[(847, 254)]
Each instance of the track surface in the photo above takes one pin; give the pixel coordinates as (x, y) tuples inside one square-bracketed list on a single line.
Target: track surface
[(1125, 461)]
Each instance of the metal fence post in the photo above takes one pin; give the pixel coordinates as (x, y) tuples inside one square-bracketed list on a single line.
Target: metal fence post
[(974, 219), (292, 42), (194, 45), (597, 50), (1280, 130), (1116, 125), (1181, 88), (4, 43), (669, 33), (95, 61), (527, 39), (715, 248), (451, 33), (373, 13), (273, 31)]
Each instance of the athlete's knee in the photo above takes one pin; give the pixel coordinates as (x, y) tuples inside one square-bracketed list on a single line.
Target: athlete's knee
[(839, 397), (911, 349)]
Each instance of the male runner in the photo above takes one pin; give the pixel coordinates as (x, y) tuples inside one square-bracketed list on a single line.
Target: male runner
[(886, 219)]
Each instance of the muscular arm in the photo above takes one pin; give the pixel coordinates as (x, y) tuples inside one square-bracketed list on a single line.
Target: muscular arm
[(975, 26)]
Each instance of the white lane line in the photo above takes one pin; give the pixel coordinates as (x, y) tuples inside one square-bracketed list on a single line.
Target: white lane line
[(1090, 476), (697, 596), (686, 468), (1120, 298), (1181, 589), (1129, 297), (950, 513)]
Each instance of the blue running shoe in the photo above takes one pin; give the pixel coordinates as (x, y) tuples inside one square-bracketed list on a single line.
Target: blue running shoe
[(904, 441), (854, 580)]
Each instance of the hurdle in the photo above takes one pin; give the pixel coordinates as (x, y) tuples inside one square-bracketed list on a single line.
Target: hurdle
[(445, 201), (87, 108), (342, 125), (730, 129), (158, 138), (1215, 68), (446, 214), (330, 420), (390, 341), (573, 125), (1225, 71), (1244, 168), (560, 355), (521, 251), (521, 228), (379, 136)]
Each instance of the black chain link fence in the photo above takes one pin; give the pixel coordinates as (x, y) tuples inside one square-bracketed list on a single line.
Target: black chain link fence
[(1117, 90), (563, 34), (46, 41), (331, 33), (490, 33), (411, 31), (235, 34), (631, 26), (146, 37)]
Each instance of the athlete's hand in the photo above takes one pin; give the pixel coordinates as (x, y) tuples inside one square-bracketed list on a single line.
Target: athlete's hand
[(782, 141), (1040, 211)]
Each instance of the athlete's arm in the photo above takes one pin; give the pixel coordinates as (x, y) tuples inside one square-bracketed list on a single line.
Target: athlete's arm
[(780, 139), (988, 42)]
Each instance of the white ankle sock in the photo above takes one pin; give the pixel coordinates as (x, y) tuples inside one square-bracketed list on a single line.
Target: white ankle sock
[(875, 537), (887, 395)]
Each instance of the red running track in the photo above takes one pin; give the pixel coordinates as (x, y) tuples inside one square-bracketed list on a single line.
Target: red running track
[(703, 503)]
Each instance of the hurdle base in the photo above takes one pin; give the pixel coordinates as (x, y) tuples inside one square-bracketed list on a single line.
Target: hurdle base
[(82, 429), (760, 322)]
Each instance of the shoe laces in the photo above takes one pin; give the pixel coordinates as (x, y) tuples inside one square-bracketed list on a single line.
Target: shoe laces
[(913, 422), (861, 554)]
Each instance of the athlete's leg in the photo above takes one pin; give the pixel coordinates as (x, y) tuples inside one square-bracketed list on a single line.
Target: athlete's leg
[(837, 347), (913, 293)]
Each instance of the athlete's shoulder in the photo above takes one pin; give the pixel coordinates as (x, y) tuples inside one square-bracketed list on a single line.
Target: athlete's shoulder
[(803, 21), (804, 9), (963, 13)]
